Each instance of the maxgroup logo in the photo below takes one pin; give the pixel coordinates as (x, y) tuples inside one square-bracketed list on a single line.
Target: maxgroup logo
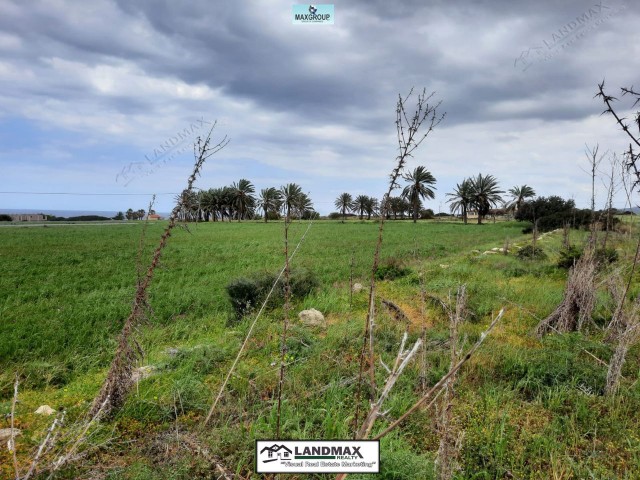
[(313, 14), (317, 456)]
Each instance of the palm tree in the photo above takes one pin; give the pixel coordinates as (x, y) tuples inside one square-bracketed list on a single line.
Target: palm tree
[(371, 207), (243, 199), (461, 198), (519, 196), (269, 200), (486, 193), (303, 206), (360, 205), (421, 181), (290, 195), (344, 203)]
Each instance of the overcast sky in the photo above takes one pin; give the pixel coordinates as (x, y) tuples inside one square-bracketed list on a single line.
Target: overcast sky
[(91, 90)]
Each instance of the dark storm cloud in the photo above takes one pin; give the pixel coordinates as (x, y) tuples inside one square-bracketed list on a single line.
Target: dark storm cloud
[(320, 98)]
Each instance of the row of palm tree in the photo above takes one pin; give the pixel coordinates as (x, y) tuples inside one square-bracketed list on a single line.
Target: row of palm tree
[(421, 186), (361, 205), (481, 193), (239, 202)]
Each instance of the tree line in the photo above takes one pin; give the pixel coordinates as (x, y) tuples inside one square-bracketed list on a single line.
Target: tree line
[(480, 195), (238, 202)]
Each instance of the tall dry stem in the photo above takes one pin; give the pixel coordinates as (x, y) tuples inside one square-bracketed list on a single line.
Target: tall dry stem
[(448, 449), (409, 135), (285, 325), (118, 381)]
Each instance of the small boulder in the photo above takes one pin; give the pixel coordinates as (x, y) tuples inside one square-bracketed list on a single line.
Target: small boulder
[(45, 410), (312, 318), (442, 265), (141, 373), (5, 434), (357, 288), (489, 252)]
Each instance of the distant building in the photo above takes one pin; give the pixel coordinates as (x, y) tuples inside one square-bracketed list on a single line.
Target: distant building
[(28, 217), (155, 216)]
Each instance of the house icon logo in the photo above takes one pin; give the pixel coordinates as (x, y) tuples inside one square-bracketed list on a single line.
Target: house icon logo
[(275, 452)]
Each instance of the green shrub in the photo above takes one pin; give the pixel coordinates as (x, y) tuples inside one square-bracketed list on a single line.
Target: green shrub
[(390, 269), (246, 293), (531, 253), (606, 255), (569, 256), (5, 218)]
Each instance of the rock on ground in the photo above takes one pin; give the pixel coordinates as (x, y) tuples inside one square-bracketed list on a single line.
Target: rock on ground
[(141, 373), (357, 287), (312, 318), (5, 434), (45, 410)]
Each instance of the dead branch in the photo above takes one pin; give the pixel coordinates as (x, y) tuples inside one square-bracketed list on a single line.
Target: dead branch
[(48, 440), (395, 310), (631, 155), (438, 386), (68, 456)]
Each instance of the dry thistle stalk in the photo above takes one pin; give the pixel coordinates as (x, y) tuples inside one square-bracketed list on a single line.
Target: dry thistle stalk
[(579, 299), (410, 136), (626, 339), (285, 325), (12, 438), (448, 449), (118, 382)]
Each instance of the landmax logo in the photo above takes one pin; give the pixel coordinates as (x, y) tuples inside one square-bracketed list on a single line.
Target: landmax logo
[(169, 149), (317, 456), (336, 453)]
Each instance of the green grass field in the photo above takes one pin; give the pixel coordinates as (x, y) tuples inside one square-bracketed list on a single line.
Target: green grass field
[(524, 408)]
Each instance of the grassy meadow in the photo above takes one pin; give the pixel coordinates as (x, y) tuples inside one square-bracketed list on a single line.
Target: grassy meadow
[(524, 407)]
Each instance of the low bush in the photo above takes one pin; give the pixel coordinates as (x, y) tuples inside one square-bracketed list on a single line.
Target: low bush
[(390, 269), (245, 293), (531, 253), (606, 255), (569, 256)]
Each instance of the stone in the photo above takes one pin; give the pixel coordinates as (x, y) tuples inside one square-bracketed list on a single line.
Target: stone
[(489, 252), (442, 265), (45, 410), (5, 434), (312, 318), (357, 288), (141, 373)]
